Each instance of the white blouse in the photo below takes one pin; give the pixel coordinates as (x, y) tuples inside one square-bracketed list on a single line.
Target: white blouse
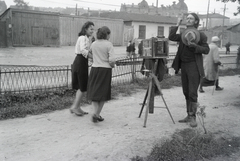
[(82, 46)]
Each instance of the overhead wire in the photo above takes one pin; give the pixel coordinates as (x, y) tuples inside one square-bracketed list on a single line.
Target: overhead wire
[(82, 4)]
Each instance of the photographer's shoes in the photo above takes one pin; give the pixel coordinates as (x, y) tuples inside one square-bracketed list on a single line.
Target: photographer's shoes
[(186, 119), (201, 90), (219, 88)]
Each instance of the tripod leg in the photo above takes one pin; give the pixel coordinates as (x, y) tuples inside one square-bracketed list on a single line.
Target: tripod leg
[(160, 90), (148, 102), (167, 108), (144, 101)]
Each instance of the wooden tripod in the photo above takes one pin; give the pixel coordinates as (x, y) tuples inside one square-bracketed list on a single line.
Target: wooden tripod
[(149, 97)]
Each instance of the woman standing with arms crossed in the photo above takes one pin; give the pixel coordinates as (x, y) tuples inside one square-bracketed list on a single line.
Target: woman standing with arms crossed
[(80, 66), (99, 87)]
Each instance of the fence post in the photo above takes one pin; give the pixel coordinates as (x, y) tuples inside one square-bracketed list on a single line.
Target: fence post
[(0, 81), (67, 76), (133, 68)]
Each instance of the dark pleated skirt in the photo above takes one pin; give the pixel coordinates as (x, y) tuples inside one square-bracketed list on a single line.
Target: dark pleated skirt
[(80, 73), (99, 85)]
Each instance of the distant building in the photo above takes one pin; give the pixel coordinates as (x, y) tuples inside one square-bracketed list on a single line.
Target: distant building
[(174, 10), (3, 7), (234, 28), (143, 26), (214, 19)]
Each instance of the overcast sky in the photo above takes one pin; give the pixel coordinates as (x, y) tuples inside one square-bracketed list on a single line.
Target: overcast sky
[(199, 6)]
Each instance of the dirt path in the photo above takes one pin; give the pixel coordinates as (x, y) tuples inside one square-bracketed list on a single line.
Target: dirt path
[(61, 136)]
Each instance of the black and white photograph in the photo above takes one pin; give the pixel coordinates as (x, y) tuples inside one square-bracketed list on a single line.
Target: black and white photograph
[(119, 80)]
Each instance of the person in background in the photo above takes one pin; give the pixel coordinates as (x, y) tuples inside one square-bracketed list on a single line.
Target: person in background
[(140, 49), (238, 56), (132, 49), (228, 48), (189, 60), (210, 65), (99, 87), (128, 50), (80, 66)]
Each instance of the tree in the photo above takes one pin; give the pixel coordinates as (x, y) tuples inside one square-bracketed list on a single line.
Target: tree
[(238, 9), (21, 4)]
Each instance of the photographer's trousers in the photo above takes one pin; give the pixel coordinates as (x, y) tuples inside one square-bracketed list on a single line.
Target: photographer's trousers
[(190, 80)]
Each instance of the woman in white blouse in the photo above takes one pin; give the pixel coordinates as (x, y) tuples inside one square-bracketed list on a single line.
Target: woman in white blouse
[(80, 66)]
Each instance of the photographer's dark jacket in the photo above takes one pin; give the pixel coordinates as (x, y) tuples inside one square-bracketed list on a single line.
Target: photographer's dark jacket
[(202, 48)]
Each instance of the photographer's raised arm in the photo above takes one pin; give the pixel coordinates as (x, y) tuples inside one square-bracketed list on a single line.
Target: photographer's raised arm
[(173, 36)]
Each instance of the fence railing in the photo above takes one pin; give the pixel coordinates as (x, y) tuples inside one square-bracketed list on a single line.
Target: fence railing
[(19, 79)]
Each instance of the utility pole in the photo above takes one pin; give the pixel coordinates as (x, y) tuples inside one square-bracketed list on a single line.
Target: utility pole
[(224, 9), (157, 6), (76, 10), (206, 28)]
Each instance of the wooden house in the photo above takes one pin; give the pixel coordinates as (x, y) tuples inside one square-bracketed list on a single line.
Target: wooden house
[(38, 28), (71, 25), (31, 28), (3, 7), (234, 28)]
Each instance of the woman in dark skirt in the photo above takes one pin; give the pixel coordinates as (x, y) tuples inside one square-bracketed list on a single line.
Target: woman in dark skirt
[(99, 86), (80, 66)]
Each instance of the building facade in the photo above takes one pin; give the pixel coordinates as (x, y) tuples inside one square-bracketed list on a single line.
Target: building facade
[(143, 26), (212, 20), (174, 10), (37, 28)]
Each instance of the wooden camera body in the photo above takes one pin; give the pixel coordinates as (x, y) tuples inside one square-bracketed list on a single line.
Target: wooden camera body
[(155, 47)]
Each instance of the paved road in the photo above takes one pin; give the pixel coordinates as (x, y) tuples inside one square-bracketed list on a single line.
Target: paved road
[(57, 55)]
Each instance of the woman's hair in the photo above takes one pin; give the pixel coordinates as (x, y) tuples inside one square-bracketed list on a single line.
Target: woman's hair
[(85, 27), (103, 32)]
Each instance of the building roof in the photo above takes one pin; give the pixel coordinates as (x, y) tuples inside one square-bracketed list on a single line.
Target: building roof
[(3, 7), (230, 27), (213, 15), (27, 11), (139, 17)]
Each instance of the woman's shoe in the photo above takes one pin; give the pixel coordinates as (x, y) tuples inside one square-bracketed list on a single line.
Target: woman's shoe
[(94, 118), (100, 118), (85, 113), (76, 111)]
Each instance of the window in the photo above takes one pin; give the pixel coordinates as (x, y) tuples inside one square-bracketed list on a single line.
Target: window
[(160, 31), (142, 32)]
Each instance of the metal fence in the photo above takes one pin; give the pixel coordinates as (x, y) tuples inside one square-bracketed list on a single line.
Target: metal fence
[(19, 79), (127, 70)]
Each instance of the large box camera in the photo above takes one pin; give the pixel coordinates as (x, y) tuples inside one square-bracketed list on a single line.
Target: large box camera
[(155, 47)]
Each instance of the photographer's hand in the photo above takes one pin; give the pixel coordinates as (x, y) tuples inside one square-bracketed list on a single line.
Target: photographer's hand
[(192, 44)]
